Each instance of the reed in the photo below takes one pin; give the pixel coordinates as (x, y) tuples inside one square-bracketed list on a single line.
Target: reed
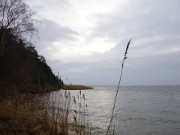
[(75, 87), (50, 113), (80, 121), (118, 87), (16, 118)]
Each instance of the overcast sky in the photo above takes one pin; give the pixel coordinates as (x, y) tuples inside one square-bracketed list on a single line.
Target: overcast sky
[(85, 40)]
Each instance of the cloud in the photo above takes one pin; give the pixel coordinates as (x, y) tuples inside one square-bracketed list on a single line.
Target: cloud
[(46, 6), (64, 44), (141, 18), (50, 34), (86, 42), (152, 25), (51, 31)]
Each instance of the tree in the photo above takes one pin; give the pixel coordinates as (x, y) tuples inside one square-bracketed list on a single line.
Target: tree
[(16, 17), (22, 69)]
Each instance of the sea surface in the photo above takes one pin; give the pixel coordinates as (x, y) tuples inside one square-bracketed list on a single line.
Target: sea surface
[(140, 110), (144, 110)]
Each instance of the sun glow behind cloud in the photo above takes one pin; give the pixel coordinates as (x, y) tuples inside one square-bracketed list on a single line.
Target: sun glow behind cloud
[(66, 53), (80, 16)]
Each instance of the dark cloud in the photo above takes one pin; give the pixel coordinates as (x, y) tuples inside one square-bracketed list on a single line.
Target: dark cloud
[(161, 70), (45, 5), (142, 19), (155, 70), (51, 31)]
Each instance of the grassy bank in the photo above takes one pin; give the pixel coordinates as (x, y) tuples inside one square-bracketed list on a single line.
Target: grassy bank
[(57, 113), (19, 119), (75, 87)]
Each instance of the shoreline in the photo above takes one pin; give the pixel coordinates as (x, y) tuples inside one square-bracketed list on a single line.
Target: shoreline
[(76, 87)]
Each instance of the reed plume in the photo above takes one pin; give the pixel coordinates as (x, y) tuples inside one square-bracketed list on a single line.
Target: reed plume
[(112, 115)]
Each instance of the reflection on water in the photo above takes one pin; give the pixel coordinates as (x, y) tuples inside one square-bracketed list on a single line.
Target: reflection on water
[(139, 110)]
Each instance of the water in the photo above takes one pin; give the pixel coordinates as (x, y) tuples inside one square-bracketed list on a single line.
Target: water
[(152, 110)]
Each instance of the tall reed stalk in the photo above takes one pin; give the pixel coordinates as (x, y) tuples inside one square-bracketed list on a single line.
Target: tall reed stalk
[(112, 115)]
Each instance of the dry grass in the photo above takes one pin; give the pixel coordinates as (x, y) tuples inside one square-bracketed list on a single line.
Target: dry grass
[(75, 87), (81, 124), (17, 119), (50, 115)]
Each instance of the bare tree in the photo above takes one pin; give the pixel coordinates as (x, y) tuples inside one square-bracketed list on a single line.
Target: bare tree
[(16, 17)]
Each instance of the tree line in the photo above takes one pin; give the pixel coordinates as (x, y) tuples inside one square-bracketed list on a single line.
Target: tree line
[(22, 69)]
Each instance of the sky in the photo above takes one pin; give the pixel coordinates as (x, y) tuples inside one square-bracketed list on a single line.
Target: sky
[(85, 40)]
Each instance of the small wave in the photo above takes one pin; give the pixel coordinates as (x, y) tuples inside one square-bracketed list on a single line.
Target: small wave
[(132, 119), (167, 121)]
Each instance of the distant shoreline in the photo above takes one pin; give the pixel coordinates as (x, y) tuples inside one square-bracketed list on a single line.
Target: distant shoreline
[(75, 87)]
